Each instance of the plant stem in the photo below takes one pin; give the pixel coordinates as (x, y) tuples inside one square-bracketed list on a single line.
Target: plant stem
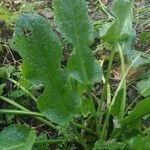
[(135, 100), (123, 100), (104, 9), (108, 95), (114, 97), (13, 103), (104, 92), (23, 89), (82, 141), (124, 83), (103, 133), (20, 112), (80, 126), (122, 80), (25, 109), (51, 141)]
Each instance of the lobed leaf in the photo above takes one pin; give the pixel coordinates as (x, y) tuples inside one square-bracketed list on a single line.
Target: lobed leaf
[(41, 53), (17, 137)]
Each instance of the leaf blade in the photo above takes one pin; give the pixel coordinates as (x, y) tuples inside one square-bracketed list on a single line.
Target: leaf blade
[(72, 19), (41, 52), (114, 32), (73, 23), (141, 109), (17, 137)]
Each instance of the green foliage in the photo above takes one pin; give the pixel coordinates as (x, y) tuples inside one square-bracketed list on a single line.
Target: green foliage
[(109, 145), (115, 32), (116, 107), (17, 137), (59, 102), (128, 44), (65, 96), (122, 31), (6, 71), (87, 107), (140, 110), (5, 14), (139, 142), (41, 64), (73, 22), (144, 37), (1, 88), (144, 87), (41, 146)]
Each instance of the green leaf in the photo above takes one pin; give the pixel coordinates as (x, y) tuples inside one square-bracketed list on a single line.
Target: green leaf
[(41, 146), (3, 72), (73, 22), (17, 137), (131, 53), (122, 31), (6, 14), (6, 71), (144, 37), (144, 87), (116, 108), (141, 109), (139, 143), (104, 28), (1, 88), (83, 68), (41, 52), (87, 107), (109, 145), (143, 59), (121, 9), (128, 38)]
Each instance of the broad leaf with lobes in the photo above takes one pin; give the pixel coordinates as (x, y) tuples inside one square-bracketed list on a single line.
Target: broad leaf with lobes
[(41, 53)]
